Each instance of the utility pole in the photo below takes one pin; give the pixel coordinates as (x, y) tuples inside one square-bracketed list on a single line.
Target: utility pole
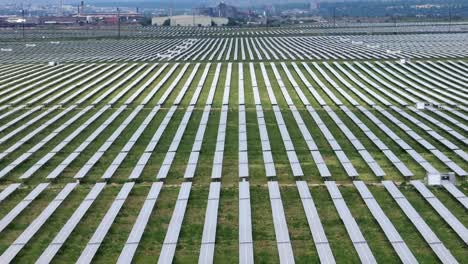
[(450, 18), (118, 22), (22, 22)]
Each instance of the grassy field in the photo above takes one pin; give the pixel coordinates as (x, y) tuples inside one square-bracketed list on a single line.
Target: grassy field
[(227, 231), (227, 248)]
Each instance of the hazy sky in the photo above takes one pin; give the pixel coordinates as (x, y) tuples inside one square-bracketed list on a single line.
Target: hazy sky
[(164, 1)]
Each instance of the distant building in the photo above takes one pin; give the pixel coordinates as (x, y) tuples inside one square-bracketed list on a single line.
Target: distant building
[(314, 5), (188, 20), (221, 10), (110, 18), (62, 20), (12, 21)]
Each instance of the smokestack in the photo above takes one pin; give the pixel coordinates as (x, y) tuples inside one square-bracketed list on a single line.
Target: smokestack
[(82, 7)]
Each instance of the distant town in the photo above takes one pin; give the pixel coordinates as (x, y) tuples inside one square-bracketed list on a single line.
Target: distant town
[(222, 14)]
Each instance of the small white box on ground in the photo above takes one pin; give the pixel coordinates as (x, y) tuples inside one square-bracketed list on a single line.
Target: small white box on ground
[(405, 60), (433, 179)]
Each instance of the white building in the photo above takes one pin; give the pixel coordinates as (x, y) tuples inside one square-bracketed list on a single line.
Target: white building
[(188, 20)]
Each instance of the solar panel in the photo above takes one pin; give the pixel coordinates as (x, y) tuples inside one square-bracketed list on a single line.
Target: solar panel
[(209, 229), (294, 163), (347, 165), (7, 219), (193, 160), (288, 144), (218, 158), (244, 191), (66, 230), (39, 145), (449, 218), (9, 190), (357, 144), (216, 171), (376, 169), (243, 143), (373, 165), (101, 231), (265, 145), (366, 156), (267, 157), (426, 165), (456, 193), (259, 111), (360, 244), (242, 136), (246, 254), (134, 238), (392, 234), (197, 145), (439, 249), (263, 132), (245, 224), (32, 229), (315, 225), (279, 221), (173, 230), (270, 170), (253, 77)]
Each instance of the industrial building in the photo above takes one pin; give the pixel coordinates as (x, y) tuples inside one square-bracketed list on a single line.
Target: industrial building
[(188, 20)]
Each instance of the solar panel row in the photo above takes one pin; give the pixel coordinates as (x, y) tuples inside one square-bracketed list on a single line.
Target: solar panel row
[(283, 242), (138, 229), (95, 241), (456, 193), (432, 240), (173, 230), (8, 218), (315, 225), (54, 246), (164, 170), (400, 247), (246, 254), (359, 242), (440, 208), (209, 229), (34, 227), (268, 162)]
